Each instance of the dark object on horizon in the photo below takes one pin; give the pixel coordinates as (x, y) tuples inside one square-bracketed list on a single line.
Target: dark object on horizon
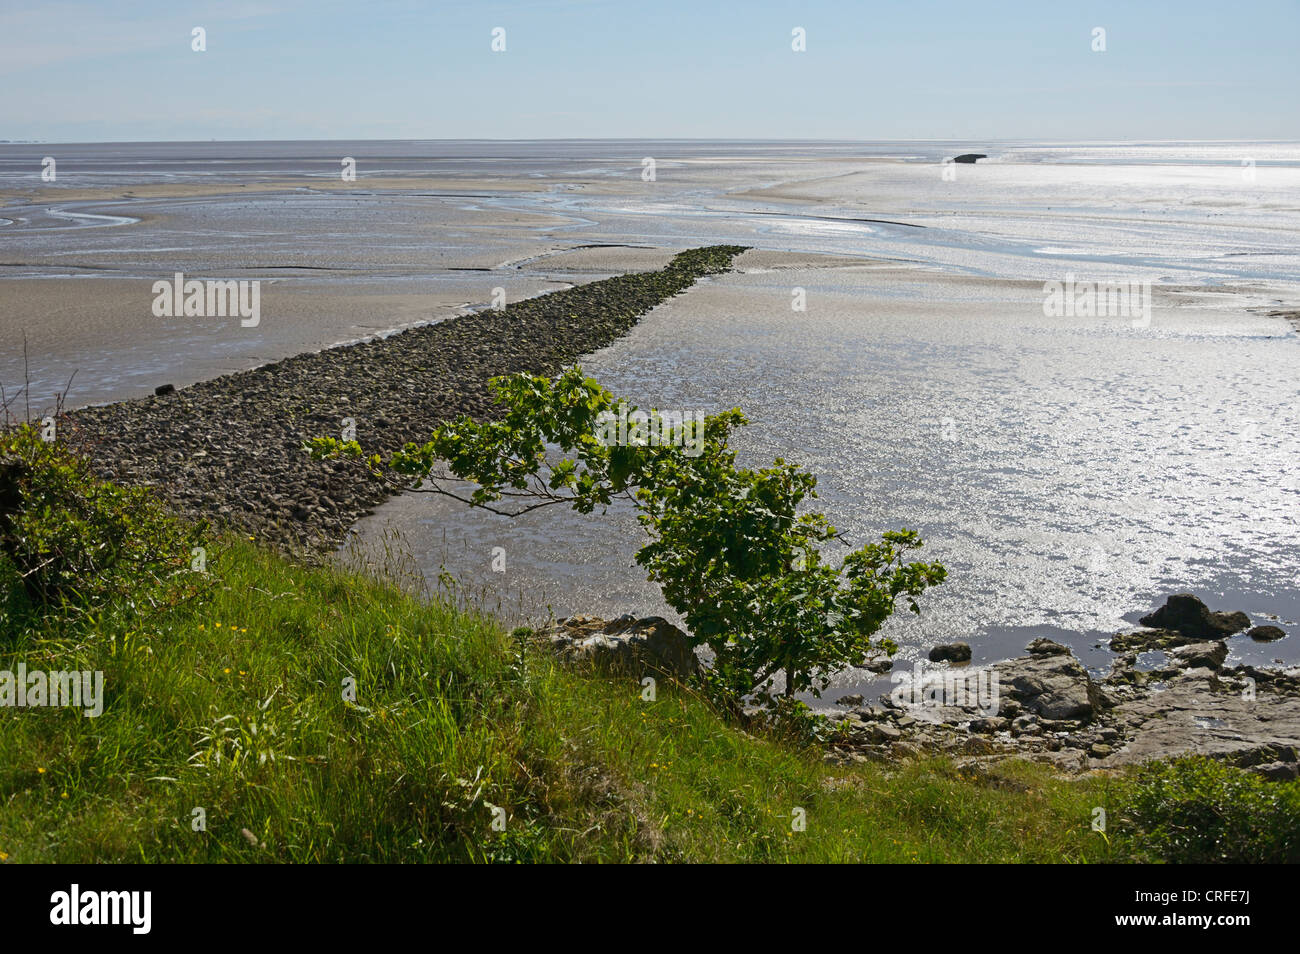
[(162, 389), (1266, 634), (1186, 614), (970, 157), (950, 652)]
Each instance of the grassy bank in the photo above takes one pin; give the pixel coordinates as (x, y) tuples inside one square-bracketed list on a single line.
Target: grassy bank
[(258, 707), (232, 702)]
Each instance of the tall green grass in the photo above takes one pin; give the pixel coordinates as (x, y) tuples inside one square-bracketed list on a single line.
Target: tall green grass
[(233, 703)]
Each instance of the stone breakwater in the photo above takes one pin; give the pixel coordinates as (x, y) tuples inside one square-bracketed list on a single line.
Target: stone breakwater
[(229, 450)]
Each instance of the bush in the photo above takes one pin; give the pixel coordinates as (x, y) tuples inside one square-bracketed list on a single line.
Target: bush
[(68, 539), (728, 545), (1197, 810)]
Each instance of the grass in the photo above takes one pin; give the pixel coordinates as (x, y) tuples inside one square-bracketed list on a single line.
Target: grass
[(232, 703)]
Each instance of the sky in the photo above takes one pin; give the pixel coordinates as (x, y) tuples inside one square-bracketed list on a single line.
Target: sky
[(399, 69)]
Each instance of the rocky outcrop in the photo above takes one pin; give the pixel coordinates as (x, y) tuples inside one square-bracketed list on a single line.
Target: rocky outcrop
[(1187, 615), (1225, 715), (969, 157), (1210, 655), (637, 647), (1051, 686), (1183, 621), (1046, 647), (1265, 634), (950, 652), (1049, 708)]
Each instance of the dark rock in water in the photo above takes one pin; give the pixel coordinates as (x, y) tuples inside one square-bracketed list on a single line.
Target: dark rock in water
[(1047, 647), (950, 652), (856, 699), (162, 389), (1266, 634), (969, 157), (1186, 614), (880, 666)]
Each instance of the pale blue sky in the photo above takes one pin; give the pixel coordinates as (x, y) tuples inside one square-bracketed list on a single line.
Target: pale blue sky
[(946, 69)]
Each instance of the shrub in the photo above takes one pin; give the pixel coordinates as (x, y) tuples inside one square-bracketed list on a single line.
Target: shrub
[(68, 539), (1198, 810)]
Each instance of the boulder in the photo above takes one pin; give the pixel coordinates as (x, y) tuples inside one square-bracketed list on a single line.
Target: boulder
[(1047, 647), (1277, 771), (969, 157), (1026, 725), (1053, 687), (1208, 655), (1266, 634), (871, 713), (950, 652), (882, 733), (1186, 614), (637, 647)]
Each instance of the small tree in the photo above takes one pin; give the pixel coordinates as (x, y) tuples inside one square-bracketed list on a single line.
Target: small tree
[(727, 546)]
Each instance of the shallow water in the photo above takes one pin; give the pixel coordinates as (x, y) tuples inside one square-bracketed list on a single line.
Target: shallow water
[(1069, 473)]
